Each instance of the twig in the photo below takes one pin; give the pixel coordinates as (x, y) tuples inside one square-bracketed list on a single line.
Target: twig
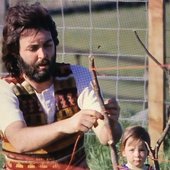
[(111, 143), (149, 54), (154, 152), (162, 137), (73, 153)]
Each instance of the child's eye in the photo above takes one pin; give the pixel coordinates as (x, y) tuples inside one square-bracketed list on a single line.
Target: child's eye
[(142, 149)]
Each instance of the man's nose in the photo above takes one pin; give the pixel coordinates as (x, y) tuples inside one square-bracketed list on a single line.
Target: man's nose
[(42, 53)]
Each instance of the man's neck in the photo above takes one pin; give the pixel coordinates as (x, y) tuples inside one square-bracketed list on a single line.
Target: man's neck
[(39, 87)]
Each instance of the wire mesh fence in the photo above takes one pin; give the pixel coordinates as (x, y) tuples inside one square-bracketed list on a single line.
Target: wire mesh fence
[(105, 29)]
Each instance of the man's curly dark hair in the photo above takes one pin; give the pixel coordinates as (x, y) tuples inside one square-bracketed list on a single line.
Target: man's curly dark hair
[(18, 18)]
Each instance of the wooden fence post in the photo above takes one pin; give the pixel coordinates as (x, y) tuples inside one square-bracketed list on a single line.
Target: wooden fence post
[(156, 87)]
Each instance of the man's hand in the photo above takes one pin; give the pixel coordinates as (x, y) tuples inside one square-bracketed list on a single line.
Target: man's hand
[(112, 109), (83, 121)]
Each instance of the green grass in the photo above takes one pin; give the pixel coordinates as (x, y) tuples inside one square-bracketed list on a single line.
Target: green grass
[(1, 160), (98, 156)]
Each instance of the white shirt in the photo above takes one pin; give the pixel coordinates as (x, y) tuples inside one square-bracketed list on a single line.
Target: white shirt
[(9, 105)]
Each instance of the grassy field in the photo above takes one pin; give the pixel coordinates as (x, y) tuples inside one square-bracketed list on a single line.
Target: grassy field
[(1, 161)]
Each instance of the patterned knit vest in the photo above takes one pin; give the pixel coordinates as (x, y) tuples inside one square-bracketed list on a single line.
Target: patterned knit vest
[(66, 106)]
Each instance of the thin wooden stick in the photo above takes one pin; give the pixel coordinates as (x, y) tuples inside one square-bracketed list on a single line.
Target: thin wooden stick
[(149, 54), (114, 157), (154, 152), (162, 137)]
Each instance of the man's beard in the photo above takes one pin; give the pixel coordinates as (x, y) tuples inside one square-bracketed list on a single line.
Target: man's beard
[(33, 72)]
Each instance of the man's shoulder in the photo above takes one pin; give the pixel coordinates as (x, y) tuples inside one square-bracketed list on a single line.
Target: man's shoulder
[(65, 67), (11, 79), (4, 86)]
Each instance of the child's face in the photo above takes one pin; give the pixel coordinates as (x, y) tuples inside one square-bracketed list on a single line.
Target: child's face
[(135, 152)]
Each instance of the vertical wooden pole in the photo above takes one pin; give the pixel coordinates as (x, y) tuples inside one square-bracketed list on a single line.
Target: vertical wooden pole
[(156, 75)]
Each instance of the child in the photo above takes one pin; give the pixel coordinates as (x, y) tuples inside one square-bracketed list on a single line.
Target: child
[(134, 149)]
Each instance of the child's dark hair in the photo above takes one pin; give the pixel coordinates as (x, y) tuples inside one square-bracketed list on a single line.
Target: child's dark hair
[(135, 132)]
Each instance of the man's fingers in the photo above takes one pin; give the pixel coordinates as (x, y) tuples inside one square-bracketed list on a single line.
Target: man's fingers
[(110, 100), (99, 116), (112, 108), (88, 123)]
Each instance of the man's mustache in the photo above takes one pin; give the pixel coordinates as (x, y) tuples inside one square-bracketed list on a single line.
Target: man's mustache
[(43, 62)]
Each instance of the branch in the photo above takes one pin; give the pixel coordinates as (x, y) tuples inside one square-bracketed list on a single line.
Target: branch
[(111, 143), (162, 138), (150, 55), (152, 152)]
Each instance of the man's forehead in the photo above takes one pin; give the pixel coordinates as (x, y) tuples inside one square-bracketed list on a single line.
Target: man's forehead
[(33, 32), (36, 35)]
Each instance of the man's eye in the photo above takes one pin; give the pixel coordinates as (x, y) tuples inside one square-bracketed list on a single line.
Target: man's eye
[(48, 45), (33, 48)]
